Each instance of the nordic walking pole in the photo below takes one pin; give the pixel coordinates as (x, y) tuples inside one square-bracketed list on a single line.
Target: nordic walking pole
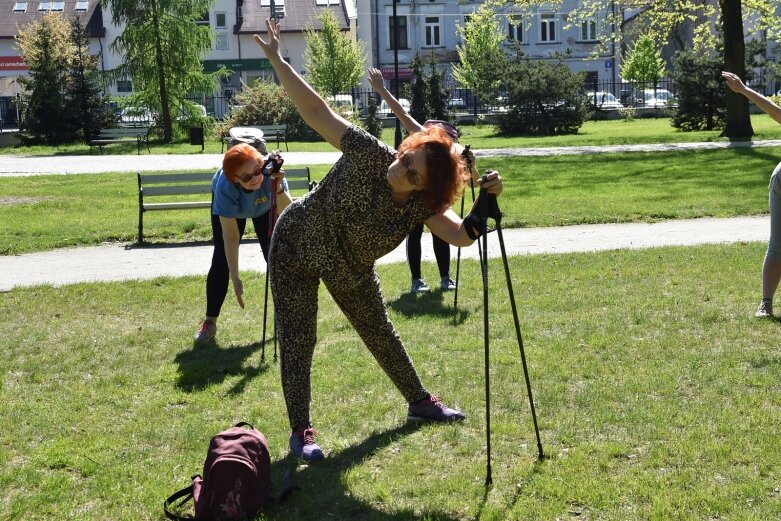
[(465, 155)]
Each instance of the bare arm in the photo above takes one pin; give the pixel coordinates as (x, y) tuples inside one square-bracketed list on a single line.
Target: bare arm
[(736, 85), (378, 83), (449, 227), (231, 239), (312, 107)]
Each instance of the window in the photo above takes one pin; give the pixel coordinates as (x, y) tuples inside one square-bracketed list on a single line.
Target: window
[(57, 6), (203, 20), (44, 6), (515, 28), (124, 86), (220, 21), (548, 27), (82, 5), (588, 30), (20, 7), (433, 31), (326, 2), (400, 34), (221, 42)]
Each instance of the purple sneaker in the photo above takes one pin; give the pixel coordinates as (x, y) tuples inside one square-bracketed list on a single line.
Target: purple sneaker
[(302, 445), (432, 409)]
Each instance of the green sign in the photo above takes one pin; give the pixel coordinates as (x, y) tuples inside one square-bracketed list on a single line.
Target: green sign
[(255, 64)]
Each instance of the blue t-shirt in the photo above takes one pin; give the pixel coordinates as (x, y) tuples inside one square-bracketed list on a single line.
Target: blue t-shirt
[(231, 200)]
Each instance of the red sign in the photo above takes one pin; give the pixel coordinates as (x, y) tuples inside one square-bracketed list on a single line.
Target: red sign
[(12, 63), (404, 74)]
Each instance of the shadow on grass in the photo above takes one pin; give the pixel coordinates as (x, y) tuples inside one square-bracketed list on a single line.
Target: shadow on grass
[(435, 303), (209, 364), (320, 491)]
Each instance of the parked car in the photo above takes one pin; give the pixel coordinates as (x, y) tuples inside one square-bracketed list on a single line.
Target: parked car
[(136, 117), (457, 104), (343, 102), (603, 100), (384, 110), (657, 98)]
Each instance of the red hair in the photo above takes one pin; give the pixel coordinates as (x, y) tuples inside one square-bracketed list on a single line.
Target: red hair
[(236, 157), (446, 172)]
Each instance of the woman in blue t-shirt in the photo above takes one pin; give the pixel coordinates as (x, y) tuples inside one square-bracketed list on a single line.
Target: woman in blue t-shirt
[(240, 191)]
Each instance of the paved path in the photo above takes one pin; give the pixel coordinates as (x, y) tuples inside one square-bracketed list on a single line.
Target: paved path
[(24, 166), (117, 262)]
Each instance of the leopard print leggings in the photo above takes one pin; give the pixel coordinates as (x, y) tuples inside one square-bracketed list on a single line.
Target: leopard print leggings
[(301, 255)]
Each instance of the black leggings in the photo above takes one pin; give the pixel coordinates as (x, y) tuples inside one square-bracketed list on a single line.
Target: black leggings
[(219, 274), (441, 252)]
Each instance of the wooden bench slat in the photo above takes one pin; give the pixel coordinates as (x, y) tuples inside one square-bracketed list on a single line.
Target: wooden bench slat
[(177, 190), (175, 178), (107, 136), (176, 206)]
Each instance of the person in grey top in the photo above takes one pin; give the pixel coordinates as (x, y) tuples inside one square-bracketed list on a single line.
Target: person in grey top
[(771, 269)]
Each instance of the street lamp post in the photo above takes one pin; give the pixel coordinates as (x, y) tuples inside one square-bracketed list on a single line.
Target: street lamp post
[(396, 69)]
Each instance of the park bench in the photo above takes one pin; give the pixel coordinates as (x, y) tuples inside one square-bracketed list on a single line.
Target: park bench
[(276, 133), (138, 135), (171, 191)]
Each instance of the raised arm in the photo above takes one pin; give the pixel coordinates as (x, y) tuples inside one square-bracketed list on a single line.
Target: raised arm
[(770, 108), (378, 83), (312, 107)]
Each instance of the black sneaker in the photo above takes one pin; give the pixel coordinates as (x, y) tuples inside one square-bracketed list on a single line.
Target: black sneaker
[(765, 309), (418, 286), (432, 409)]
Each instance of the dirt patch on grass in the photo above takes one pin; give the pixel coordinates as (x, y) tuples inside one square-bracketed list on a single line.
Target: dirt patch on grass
[(10, 201)]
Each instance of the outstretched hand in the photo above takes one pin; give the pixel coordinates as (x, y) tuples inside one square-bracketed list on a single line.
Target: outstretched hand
[(271, 45), (733, 82), (375, 78)]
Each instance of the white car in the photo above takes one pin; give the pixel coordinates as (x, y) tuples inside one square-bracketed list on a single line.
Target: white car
[(457, 104), (603, 100), (384, 110), (657, 98)]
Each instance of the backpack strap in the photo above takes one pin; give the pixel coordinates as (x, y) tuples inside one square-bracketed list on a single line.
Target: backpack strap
[(245, 424), (187, 494)]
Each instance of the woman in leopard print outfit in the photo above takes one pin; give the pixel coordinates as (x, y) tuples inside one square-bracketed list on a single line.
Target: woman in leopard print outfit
[(363, 208)]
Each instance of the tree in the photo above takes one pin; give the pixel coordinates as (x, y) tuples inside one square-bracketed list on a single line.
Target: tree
[(644, 63), (437, 95), (544, 97), (335, 62), (47, 50), (85, 94), (419, 108), (163, 47), (659, 18), (479, 52), (700, 91)]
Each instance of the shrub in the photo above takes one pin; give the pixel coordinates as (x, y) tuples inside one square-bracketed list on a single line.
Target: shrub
[(544, 98), (266, 103), (700, 92)]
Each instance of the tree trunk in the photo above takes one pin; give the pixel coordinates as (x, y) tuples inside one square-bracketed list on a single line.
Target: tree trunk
[(738, 121), (168, 133)]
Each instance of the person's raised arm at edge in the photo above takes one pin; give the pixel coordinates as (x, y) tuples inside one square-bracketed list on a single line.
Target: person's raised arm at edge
[(736, 85), (312, 107), (378, 84)]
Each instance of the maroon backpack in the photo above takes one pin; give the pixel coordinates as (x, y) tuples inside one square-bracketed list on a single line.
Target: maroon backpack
[(236, 480)]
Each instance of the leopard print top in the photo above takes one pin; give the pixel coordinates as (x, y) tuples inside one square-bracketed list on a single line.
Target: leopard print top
[(352, 205)]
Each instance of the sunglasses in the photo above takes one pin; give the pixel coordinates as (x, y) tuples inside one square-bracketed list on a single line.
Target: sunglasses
[(246, 178)]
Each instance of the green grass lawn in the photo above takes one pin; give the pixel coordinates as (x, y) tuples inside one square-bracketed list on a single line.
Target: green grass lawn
[(612, 132), (46, 212), (658, 396)]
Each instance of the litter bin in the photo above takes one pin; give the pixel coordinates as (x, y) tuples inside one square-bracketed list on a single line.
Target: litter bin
[(196, 136)]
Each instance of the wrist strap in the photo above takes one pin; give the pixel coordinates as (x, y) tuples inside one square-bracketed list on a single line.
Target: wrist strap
[(472, 226)]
